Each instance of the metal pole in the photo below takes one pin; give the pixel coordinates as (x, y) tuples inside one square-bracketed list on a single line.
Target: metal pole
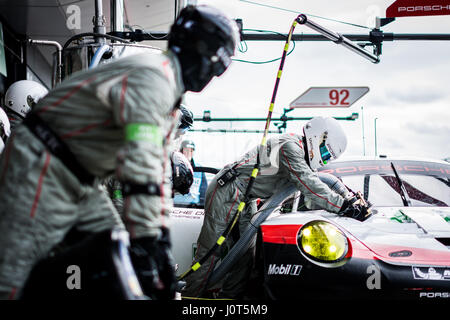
[(363, 134), (231, 131), (58, 77), (386, 36), (352, 117), (376, 147), (99, 21), (117, 13), (338, 39)]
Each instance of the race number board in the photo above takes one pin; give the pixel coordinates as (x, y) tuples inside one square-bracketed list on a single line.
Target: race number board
[(329, 97)]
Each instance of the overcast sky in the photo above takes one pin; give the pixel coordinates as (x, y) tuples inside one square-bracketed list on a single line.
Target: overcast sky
[(409, 88)]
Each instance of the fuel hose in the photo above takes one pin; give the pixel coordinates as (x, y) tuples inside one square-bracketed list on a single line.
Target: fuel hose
[(255, 170)]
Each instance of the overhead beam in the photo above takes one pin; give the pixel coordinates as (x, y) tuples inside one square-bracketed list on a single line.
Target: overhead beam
[(140, 35), (353, 37), (352, 117)]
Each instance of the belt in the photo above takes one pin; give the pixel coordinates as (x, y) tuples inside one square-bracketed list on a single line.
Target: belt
[(57, 147), (228, 176)]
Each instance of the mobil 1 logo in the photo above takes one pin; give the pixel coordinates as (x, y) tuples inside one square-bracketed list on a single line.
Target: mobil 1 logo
[(284, 269)]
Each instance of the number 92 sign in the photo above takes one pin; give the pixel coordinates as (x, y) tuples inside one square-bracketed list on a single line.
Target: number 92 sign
[(329, 97)]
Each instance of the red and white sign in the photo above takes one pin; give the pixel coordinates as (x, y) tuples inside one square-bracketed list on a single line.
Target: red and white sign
[(411, 8), (329, 97)]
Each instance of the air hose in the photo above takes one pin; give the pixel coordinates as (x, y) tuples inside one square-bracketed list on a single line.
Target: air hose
[(255, 170), (98, 55)]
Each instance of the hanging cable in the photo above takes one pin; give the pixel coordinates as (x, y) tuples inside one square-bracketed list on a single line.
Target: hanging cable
[(311, 15), (255, 170), (245, 49), (152, 36)]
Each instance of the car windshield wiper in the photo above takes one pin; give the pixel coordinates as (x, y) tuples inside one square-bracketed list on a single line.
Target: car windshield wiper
[(404, 195)]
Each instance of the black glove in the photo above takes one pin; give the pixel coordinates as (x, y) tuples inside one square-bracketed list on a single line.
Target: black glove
[(166, 265), (353, 209), (154, 266)]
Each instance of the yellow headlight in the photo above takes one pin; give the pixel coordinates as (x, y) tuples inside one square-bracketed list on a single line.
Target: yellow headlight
[(322, 241)]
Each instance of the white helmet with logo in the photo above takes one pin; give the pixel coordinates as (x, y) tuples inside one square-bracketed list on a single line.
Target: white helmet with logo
[(5, 129), (325, 140), (22, 95)]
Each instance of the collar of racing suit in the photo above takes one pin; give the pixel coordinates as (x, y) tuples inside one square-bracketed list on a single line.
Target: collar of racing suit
[(305, 145)]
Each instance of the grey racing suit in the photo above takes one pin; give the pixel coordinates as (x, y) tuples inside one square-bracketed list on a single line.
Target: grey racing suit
[(115, 119), (282, 160)]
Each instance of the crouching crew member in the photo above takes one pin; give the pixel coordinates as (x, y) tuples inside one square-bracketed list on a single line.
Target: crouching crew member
[(287, 158)]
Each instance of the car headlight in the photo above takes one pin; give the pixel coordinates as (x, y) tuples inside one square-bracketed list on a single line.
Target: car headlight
[(322, 241)]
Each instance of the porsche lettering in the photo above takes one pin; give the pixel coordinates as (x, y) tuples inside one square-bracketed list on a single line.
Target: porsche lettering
[(434, 295), (424, 8)]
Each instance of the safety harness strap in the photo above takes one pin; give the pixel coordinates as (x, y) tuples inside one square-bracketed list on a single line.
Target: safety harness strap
[(151, 189), (57, 147)]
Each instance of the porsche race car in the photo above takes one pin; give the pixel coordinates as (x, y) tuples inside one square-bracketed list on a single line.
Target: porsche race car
[(401, 251)]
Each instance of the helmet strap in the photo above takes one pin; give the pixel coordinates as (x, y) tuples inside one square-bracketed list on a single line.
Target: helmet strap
[(3, 135), (14, 112), (190, 69)]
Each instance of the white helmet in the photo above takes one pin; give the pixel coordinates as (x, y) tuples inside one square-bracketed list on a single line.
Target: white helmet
[(325, 140), (5, 129), (22, 95)]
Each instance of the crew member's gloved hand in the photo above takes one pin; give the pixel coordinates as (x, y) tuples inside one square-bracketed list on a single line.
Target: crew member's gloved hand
[(166, 265), (154, 266), (354, 209)]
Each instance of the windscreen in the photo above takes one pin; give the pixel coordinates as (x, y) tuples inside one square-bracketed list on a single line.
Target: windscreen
[(426, 184)]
